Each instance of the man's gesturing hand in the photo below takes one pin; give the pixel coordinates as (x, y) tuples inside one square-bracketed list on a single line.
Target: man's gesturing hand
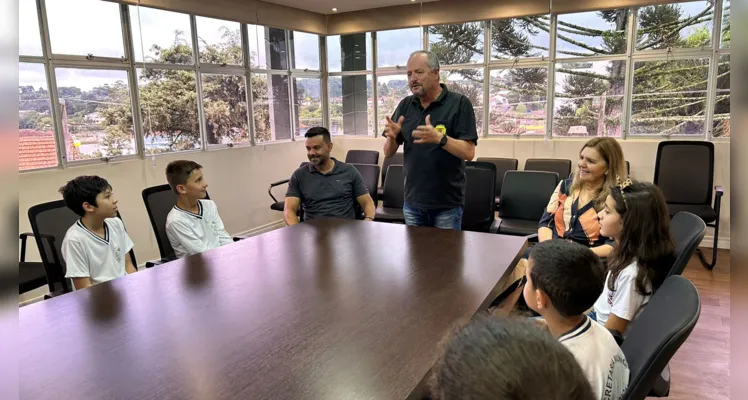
[(392, 129), (427, 133)]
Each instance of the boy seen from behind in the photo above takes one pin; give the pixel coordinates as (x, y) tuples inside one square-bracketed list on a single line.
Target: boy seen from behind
[(96, 248), (564, 279), (193, 225)]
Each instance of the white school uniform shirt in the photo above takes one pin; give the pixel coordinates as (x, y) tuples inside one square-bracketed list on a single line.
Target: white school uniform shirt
[(88, 255), (625, 302), (191, 233), (600, 357)]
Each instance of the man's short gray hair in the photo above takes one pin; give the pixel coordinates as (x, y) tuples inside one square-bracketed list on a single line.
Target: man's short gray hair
[(433, 61)]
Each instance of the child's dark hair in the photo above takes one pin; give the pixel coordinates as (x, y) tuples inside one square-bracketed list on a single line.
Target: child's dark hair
[(646, 235), (318, 130), (570, 274), (499, 358), (83, 189), (178, 172)]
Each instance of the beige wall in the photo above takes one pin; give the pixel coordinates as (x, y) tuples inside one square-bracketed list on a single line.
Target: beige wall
[(640, 154), (238, 180)]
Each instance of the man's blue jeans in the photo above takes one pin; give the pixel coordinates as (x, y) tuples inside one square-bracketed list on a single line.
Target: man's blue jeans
[(450, 218)]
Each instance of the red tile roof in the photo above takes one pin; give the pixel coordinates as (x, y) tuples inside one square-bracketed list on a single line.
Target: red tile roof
[(36, 149)]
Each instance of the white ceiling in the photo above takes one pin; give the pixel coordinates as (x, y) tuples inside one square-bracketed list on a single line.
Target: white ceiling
[(326, 6)]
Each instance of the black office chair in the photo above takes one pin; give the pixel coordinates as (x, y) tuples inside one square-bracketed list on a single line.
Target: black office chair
[(684, 171), (393, 197), (502, 165), (362, 157), (688, 231), (524, 197), (31, 274), (370, 175), (558, 165), (159, 201), (478, 213), (396, 159), (656, 334), (279, 205), (49, 223)]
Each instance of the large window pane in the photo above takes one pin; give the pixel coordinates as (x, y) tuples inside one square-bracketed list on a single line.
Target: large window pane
[(394, 46), (308, 101), (675, 26), (591, 33), (271, 105), (721, 118), (349, 52), (392, 89), (669, 97), (589, 98), (304, 51), (726, 24), (267, 47), (82, 27), (168, 106), (36, 132), (518, 101), (161, 36), (351, 105), (220, 42), (520, 37), (29, 39), (96, 112), (225, 108), (469, 83), (457, 43)]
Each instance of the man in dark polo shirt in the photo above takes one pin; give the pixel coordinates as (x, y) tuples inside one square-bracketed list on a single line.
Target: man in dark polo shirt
[(437, 128), (325, 187)]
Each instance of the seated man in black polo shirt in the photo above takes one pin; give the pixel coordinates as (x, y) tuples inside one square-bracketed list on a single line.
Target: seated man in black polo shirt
[(325, 187)]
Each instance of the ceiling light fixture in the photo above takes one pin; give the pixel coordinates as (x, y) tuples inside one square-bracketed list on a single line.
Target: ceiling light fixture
[(334, 10)]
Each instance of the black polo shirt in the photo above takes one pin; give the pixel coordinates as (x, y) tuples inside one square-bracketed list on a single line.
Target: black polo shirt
[(327, 195), (434, 178)]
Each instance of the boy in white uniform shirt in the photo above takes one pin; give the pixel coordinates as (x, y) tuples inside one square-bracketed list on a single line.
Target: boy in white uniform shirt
[(96, 248), (193, 225), (563, 281)]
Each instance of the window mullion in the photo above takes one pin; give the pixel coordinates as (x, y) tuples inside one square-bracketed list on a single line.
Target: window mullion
[(628, 87), (551, 91), (54, 99), (199, 84), (133, 80)]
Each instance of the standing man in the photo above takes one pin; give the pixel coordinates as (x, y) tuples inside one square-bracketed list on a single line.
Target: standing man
[(438, 129)]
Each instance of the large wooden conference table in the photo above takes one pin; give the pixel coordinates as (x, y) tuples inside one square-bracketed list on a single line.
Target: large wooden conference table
[(327, 309)]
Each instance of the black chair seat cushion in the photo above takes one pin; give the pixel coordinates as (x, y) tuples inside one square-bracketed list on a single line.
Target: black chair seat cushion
[(277, 206), (518, 227), (700, 210), (31, 275), (389, 214)]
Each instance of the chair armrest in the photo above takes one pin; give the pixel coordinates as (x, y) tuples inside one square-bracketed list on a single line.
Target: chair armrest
[(274, 184), (25, 235), (23, 238), (153, 263), (495, 226), (532, 238), (719, 191)]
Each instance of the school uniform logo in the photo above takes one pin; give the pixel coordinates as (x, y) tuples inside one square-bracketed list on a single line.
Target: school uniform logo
[(441, 129)]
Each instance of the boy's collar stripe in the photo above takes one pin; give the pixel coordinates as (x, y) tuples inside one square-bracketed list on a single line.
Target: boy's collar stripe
[(104, 240), (199, 210), (583, 327)]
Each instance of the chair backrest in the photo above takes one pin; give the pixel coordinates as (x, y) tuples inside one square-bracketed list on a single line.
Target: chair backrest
[(480, 196), (49, 223), (370, 174), (159, 200), (657, 333), (396, 159), (688, 231), (394, 187), (525, 194), (684, 171), (362, 157), (558, 165), (502, 165)]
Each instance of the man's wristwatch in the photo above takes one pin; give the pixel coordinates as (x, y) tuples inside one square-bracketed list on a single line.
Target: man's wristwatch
[(443, 141)]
